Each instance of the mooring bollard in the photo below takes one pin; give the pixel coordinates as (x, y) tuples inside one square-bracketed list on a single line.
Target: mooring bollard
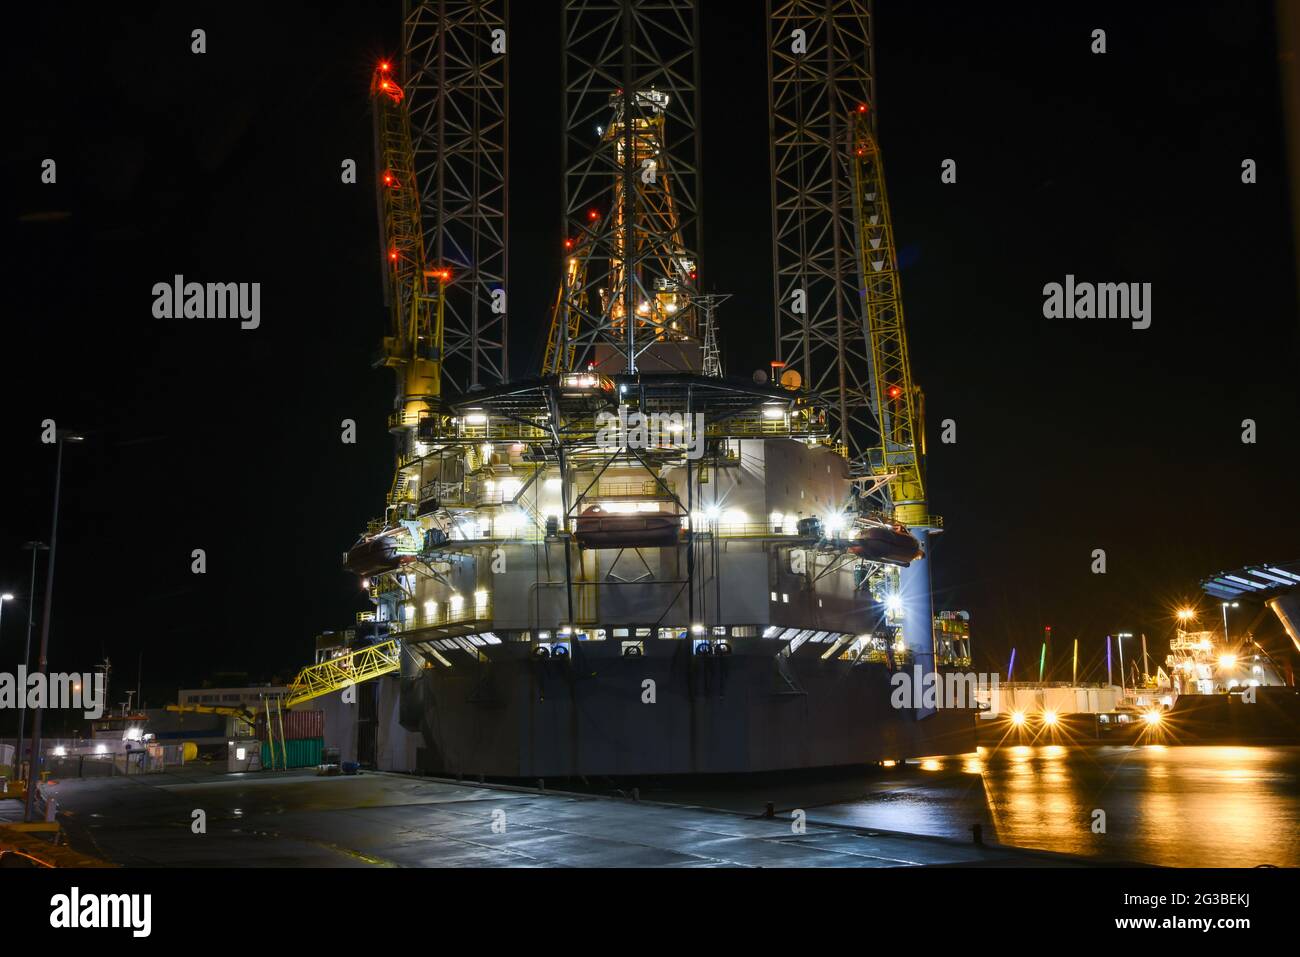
[(770, 810), (977, 832)]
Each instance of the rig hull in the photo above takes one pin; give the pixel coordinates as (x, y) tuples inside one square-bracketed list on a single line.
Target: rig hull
[(716, 632), (589, 715)]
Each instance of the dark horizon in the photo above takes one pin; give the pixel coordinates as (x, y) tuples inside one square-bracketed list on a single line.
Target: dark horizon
[(1072, 434)]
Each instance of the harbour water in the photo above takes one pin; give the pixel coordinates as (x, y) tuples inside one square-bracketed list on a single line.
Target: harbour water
[(1170, 806)]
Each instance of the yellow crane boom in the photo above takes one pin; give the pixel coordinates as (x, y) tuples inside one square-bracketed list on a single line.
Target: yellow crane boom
[(241, 714), (211, 709), (898, 400), (415, 348), (566, 319)]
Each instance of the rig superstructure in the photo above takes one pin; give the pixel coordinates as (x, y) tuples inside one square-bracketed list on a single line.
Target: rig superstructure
[(630, 563)]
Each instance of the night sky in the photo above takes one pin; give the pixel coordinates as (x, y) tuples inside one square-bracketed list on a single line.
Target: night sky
[(1072, 435)]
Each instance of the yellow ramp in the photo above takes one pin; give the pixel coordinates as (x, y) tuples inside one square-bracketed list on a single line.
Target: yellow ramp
[(338, 673)]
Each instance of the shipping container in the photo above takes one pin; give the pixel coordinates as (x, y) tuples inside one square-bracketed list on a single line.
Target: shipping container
[(299, 753), (297, 725)]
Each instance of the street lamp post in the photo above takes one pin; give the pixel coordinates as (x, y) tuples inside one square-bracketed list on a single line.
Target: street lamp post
[(1119, 643), (1226, 606), (33, 768), (4, 598), (32, 547)]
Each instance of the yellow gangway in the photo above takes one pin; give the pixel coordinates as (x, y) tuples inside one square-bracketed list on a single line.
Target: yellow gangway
[(343, 671)]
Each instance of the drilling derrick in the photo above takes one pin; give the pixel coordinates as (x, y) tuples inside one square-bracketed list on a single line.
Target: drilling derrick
[(647, 240), (631, 190)]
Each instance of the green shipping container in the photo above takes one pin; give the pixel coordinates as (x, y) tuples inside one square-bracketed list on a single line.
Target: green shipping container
[(302, 753)]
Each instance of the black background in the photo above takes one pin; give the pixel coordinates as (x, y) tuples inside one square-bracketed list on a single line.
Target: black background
[(1072, 435), (1095, 898)]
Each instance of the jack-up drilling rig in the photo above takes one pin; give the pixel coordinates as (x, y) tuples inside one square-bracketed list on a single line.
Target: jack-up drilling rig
[(631, 525)]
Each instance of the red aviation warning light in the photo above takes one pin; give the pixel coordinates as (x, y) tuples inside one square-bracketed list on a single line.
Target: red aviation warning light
[(392, 255), (383, 82), (443, 274), (895, 391), (568, 244)]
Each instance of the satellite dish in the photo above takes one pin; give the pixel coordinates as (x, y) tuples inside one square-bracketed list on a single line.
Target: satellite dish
[(791, 379), (760, 377)]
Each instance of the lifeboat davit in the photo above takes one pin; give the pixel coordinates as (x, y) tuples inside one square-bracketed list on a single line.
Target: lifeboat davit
[(894, 545), (597, 528), (370, 556)]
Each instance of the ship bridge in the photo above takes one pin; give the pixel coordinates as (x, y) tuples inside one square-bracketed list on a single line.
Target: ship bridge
[(1277, 586)]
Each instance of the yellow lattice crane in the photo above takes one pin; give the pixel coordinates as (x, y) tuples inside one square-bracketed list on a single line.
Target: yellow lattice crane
[(415, 290), (898, 400)]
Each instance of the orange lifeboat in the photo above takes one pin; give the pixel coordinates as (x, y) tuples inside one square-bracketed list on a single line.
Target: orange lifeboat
[(370, 556), (597, 528), (893, 545)]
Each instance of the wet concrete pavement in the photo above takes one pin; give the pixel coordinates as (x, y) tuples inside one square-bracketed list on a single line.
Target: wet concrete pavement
[(296, 819)]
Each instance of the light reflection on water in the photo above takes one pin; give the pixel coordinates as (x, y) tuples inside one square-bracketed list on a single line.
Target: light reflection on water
[(1175, 806), (1182, 806)]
